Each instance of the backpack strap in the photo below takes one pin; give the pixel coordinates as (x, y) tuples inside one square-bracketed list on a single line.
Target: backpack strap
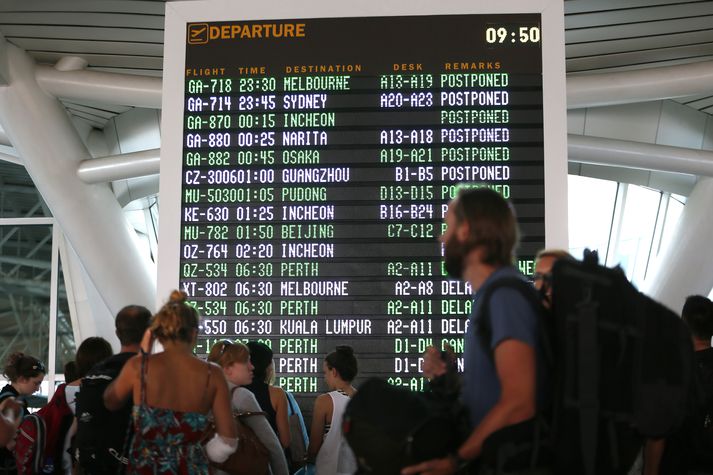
[(588, 380), (485, 325), (584, 317), (6, 395)]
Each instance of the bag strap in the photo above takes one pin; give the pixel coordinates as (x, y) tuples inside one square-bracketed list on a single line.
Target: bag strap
[(485, 326), (289, 402), (144, 370), (205, 390), (249, 414), (541, 429), (6, 395), (246, 413)]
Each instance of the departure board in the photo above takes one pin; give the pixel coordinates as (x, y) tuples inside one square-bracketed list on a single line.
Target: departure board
[(318, 159)]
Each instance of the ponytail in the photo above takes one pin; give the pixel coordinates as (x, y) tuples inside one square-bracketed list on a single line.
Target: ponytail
[(176, 321)]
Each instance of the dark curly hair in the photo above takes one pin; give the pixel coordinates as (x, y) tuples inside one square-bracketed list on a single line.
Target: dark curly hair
[(20, 365)]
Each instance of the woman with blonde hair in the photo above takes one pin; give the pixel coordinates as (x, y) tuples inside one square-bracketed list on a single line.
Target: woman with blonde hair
[(234, 359), (173, 391)]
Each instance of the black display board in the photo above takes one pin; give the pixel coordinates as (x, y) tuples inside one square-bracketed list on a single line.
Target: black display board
[(319, 156)]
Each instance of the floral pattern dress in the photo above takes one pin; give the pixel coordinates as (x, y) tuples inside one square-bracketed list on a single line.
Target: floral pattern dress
[(166, 442)]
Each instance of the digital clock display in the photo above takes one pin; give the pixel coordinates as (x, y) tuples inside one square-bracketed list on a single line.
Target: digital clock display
[(317, 166)]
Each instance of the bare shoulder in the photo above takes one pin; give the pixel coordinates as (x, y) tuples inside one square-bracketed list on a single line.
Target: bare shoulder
[(216, 373), (323, 401), (214, 365), (214, 368), (277, 392), (133, 365)]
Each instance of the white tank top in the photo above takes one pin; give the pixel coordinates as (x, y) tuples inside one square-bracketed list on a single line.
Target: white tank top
[(335, 457)]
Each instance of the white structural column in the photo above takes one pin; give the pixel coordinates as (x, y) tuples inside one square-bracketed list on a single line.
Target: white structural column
[(685, 267), (89, 214)]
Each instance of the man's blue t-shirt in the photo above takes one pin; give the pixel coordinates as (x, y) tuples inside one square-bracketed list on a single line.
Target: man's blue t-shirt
[(511, 317)]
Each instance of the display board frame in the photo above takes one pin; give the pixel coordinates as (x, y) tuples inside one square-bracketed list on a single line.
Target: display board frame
[(179, 14)]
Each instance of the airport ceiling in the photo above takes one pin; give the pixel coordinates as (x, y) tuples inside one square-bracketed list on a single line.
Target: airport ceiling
[(127, 37)]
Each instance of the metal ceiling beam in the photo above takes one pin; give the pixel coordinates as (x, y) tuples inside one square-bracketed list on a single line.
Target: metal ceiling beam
[(27, 189), (120, 167), (20, 221), (33, 251), (108, 88), (581, 149), (19, 286), (23, 261), (644, 156), (583, 90), (626, 87)]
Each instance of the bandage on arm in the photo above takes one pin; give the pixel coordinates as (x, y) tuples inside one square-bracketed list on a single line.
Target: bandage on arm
[(219, 448)]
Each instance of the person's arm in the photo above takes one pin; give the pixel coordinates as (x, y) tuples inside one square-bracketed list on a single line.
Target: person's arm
[(222, 412), (278, 398), (11, 412), (244, 401), (122, 387), (433, 364), (322, 407), (225, 440), (515, 366), (653, 452), (515, 330)]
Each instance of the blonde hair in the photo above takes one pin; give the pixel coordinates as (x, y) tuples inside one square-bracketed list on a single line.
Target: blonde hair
[(227, 352), (176, 321)]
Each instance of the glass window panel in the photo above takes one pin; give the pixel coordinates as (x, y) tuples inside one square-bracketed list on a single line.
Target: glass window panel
[(673, 214), (66, 346), (18, 196), (591, 205), (25, 271), (637, 231)]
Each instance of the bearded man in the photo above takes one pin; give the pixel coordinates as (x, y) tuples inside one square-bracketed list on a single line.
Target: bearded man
[(505, 380)]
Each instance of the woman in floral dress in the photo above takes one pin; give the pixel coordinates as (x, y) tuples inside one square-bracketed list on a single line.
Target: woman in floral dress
[(173, 391)]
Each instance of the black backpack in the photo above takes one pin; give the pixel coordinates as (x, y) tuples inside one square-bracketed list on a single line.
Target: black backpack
[(691, 448), (101, 438), (701, 432), (389, 427), (622, 369)]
